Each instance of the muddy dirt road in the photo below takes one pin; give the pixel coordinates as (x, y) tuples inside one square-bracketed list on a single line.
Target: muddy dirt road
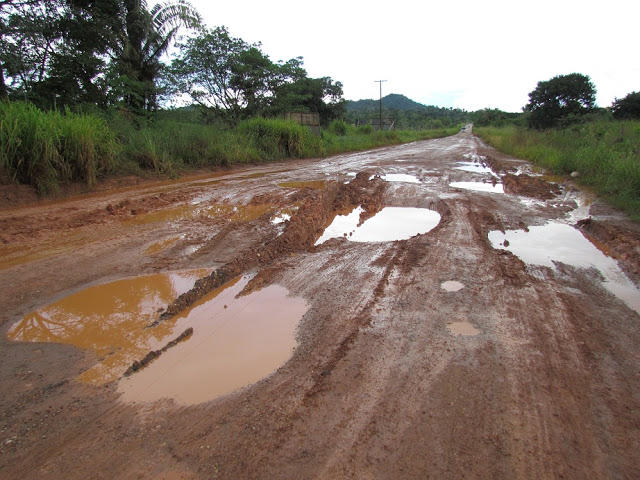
[(498, 342)]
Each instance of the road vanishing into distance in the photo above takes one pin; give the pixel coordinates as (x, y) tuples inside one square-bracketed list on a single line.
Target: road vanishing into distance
[(430, 310)]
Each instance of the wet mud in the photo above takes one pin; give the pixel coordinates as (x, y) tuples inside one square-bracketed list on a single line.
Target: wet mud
[(448, 354)]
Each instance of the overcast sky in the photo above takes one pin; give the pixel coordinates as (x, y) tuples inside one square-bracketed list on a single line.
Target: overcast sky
[(464, 54)]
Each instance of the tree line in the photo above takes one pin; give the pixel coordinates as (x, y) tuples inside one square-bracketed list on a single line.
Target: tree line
[(79, 54)]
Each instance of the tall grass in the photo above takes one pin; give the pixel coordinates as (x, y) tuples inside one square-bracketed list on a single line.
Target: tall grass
[(46, 149), (606, 155), (274, 138)]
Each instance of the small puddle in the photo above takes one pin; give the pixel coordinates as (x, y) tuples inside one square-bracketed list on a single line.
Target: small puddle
[(479, 186), (473, 167), (316, 185), (556, 242), (109, 320), (281, 218), (236, 342), (399, 177), (452, 286), (463, 328), (388, 225)]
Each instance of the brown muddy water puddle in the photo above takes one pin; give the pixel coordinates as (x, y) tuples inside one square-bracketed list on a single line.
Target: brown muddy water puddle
[(544, 245), (388, 225), (315, 184), (161, 245), (400, 177), (109, 320), (463, 328), (235, 342)]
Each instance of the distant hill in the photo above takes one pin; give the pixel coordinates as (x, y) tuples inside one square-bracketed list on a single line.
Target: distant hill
[(392, 101), (406, 112)]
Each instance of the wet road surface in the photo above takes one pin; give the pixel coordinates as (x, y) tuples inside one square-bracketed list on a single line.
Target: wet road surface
[(501, 341)]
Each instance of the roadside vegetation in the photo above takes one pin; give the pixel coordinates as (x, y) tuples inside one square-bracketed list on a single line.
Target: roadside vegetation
[(47, 149), (605, 153), (563, 132)]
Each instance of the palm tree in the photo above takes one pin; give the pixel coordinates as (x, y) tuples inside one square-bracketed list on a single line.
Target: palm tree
[(146, 36)]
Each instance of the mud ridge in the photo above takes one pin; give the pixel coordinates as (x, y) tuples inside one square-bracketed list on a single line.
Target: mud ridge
[(300, 233), (153, 354)]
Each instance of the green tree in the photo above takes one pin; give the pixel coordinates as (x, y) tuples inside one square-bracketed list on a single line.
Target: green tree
[(627, 107), (28, 33), (312, 95), (230, 78), (146, 36), (560, 101)]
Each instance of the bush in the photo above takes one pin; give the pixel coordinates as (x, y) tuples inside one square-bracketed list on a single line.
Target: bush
[(365, 129), (338, 127)]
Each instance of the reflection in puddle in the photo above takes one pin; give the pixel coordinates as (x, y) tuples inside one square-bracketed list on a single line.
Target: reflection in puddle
[(281, 218), (473, 167), (555, 242), (452, 286), (236, 342), (463, 328), (399, 177), (390, 224), (479, 186), (109, 320)]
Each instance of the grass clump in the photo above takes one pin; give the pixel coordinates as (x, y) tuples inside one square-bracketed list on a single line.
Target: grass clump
[(606, 154), (275, 138), (45, 149)]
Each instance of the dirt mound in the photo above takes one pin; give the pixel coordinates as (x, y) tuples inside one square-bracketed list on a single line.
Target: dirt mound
[(616, 241), (528, 186)]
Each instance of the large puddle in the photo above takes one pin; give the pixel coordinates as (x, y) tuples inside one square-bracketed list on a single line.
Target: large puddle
[(109, 320), (556, 242), (235, 342), (388, 225)]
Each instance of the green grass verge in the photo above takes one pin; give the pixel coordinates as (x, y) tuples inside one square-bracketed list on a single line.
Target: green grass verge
[(606, 155), (47, 149)]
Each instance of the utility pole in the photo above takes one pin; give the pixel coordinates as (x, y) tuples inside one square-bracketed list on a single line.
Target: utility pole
[(380, 82)]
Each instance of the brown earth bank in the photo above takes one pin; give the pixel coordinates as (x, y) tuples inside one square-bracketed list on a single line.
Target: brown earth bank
[(381, 384)]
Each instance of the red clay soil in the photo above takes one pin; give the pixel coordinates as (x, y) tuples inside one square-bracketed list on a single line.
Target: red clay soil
[(379, 385)]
